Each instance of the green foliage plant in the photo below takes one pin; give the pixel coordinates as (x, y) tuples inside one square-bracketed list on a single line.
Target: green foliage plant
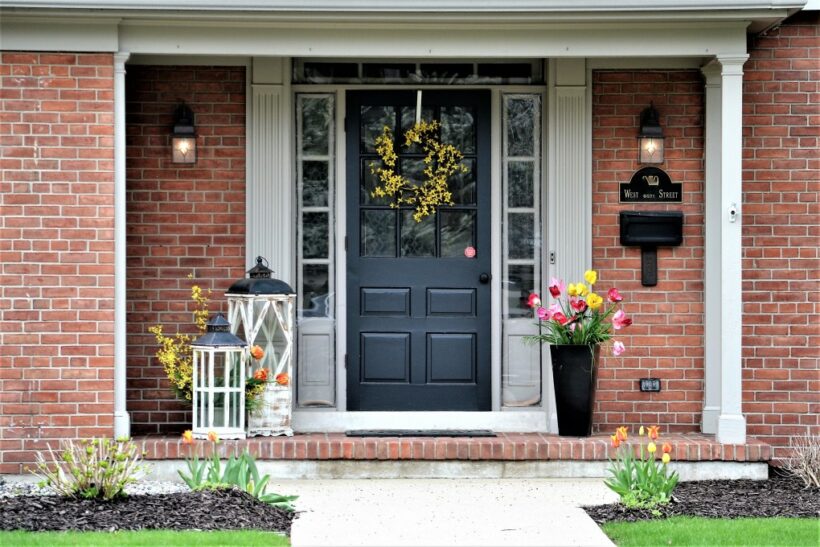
[(241, 472), (642, 481), (90, 468)]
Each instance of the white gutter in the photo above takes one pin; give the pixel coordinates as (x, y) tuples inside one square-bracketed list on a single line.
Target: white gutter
[(122, 422), (470, 6)]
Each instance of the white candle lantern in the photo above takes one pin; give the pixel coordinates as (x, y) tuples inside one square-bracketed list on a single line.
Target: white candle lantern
[(262, 309), (219, 364)]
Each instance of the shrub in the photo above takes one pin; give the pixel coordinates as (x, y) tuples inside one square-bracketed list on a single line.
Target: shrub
[(91, 468), (241, 472), (804, 461), (643, 481)]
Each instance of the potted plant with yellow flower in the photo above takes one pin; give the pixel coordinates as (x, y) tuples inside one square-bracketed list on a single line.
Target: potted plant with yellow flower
[(575, 326)]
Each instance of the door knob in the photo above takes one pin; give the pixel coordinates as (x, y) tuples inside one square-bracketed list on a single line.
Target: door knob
[(484, 278)]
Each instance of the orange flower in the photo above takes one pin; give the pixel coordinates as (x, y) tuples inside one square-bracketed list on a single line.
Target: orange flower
[(282, 379), (667, 448), (257, 352), (187, 436), (616, 442), (653, 432), (213, 437), (261, 374), (621, 433)]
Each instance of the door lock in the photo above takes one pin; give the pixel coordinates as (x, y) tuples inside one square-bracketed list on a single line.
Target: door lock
[(484, 278)]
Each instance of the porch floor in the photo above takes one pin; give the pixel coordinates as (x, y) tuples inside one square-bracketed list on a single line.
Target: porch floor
[(693, 447)]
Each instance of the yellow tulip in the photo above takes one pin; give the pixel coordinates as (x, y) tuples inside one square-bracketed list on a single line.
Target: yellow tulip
[(651, 448), (572, 289), (594, 301), (591, 276), (665, 458), (640, 431), (582, 289)]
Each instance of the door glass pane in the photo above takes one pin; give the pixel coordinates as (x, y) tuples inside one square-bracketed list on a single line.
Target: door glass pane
[(315, 126), (369, 181), (458, 128), (520, 235), (413, 169), (314, 235), (462, 185), (314, 183), (519, 183), (374, 118), (520, 127), (378, 228), (408, 120), (417, 238), (457, 232), (518, 286), (315, 291)]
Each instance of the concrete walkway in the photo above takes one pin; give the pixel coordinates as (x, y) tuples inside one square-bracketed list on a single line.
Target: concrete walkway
[(445, 512)]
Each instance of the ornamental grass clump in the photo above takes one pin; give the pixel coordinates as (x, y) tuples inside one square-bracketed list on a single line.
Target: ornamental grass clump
[(241, 472), (642, 481), (90, 468), (579, 316), (804, 461)]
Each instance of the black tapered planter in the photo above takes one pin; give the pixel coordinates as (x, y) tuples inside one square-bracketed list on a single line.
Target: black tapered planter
[(574, 369)]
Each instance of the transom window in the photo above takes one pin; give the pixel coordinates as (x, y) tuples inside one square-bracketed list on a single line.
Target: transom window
[(497, 71)]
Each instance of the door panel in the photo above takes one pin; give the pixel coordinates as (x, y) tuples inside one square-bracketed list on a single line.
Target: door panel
[(418, 315)]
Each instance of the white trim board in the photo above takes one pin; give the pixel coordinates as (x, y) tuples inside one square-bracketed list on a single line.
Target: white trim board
[(317, 421)]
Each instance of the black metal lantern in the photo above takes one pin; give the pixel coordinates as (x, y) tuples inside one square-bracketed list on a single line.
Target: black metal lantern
[(183, 138), (262, 309), (650, 139), (218, 362)]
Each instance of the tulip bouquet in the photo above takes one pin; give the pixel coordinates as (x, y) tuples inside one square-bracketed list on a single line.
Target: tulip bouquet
[(579, 316), (642, 481)]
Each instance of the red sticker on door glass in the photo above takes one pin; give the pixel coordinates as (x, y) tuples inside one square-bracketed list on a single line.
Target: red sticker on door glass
[(469, 252)]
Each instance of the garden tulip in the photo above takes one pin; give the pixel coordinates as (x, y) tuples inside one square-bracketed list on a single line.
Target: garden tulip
[(213, 437), (613, 295), (651, 448), (665, 458), (618, 348), (556, 287), (594, 301), (282, 379), (542, 314), (534, 301), (187, 436), (652, 432), (257, 352), (667, 448), (620, 320), (591, 276)]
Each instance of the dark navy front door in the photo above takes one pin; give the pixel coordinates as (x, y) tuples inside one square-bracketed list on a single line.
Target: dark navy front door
[(418, 294)]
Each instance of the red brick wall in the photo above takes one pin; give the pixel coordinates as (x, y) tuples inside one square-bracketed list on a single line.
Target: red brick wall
[(666, 339), (56, 251), (781, 232), (182, 219)]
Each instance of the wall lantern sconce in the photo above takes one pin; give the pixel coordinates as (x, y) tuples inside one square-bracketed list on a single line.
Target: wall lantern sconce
[(650, 138), (183, 139)]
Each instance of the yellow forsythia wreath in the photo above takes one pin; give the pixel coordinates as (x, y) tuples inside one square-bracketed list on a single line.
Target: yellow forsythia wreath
[(441, 162)]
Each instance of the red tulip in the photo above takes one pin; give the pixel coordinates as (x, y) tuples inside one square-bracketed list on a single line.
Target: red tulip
[(613, 295)]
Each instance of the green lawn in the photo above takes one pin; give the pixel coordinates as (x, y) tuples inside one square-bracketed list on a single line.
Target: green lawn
[(152, 538), (703, 531)]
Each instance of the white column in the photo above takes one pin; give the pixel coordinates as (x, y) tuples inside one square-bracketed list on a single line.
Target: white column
[(711, 281), (723, 254), (569, 162), (269, 200), (122, 422)]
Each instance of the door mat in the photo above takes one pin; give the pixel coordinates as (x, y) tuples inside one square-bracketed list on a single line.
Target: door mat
[(420, 433)]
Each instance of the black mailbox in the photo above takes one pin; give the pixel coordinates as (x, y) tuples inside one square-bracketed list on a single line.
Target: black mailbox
[(650, 230)]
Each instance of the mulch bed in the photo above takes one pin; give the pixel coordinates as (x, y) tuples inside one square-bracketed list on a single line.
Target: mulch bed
[(779, 496), (204, 510)]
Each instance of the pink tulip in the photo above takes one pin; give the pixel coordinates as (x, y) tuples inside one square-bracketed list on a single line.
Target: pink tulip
[(552, 310), (618, 348), (534, 300), (613, 295), (560, 318), (620, 320), (542, 313), (578, 305), (557, 287)]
